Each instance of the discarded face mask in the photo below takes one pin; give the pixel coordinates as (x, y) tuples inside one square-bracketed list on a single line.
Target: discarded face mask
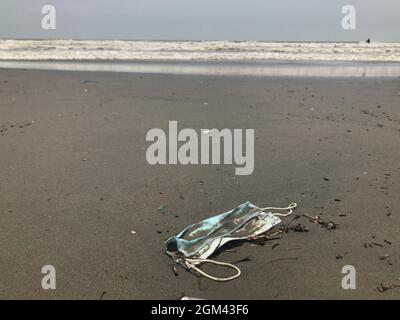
[(197, 242)]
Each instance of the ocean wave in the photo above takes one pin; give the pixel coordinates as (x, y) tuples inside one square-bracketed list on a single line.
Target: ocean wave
[(119, 50)]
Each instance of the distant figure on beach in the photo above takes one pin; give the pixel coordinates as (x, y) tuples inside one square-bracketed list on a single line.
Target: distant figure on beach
[(368, 40)]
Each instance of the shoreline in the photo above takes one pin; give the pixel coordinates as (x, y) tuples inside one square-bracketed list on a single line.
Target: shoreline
[(284, 68)]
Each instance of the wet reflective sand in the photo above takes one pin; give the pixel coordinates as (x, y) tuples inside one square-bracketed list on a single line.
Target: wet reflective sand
[(253, 68)]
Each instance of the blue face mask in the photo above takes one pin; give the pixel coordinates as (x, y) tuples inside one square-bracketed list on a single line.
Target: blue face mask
[(197, 242)]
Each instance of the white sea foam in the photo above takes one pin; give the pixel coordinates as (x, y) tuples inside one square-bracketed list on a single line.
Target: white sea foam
[(195, 50)]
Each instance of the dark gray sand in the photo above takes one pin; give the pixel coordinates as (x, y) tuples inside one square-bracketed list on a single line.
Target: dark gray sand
[(74, 183)]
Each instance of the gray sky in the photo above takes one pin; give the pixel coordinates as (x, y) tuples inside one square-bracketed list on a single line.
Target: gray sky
[(291, 20)]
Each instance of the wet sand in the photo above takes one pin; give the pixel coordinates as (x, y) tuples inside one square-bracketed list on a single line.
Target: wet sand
[(265, 68), (74, 183)]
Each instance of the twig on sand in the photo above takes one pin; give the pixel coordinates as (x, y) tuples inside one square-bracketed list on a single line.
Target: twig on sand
[(282, 259), (262, 238), (246, 259), (327, 225), (175, 271), (382, 287), (377, 244)]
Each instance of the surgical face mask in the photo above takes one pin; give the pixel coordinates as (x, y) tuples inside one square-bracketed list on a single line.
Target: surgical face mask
[(197, 242)]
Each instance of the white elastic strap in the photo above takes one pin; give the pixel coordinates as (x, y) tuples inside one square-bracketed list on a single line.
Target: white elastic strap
[(290, 208), (229, 265)]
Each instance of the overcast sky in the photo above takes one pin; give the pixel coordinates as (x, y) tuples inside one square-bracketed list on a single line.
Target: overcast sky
[(291, 20)]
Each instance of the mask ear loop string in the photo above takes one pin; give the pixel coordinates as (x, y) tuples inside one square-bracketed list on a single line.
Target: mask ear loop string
[(188, 262), (290, 207)]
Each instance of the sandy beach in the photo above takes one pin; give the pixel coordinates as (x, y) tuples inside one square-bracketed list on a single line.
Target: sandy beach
[(76, 191)]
